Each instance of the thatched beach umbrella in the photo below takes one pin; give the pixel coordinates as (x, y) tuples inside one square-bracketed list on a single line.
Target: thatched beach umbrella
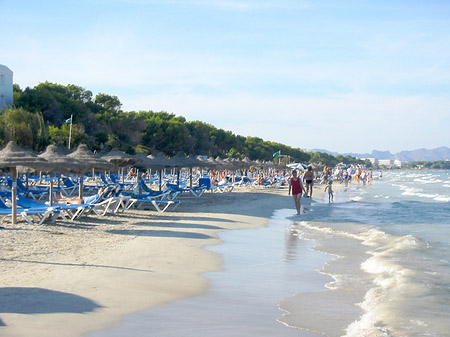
[(12, 156), (195, 162), (120, 159), (247, 162), (179, 161), (213, 163), (61, 163), (92, 161), (160, 162), (151, 162), (207, 162)]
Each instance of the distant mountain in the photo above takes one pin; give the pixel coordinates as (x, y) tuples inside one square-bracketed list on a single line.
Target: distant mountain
[(440, 153), (324, 151)]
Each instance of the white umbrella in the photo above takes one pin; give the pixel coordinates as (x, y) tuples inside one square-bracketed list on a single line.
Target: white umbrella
[(297, 166)]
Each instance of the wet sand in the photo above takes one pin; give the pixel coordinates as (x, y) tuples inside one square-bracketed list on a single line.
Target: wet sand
[(87, 275)]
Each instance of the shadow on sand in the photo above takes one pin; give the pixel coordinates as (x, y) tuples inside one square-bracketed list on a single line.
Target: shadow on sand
[(160, 233), (21, 300)]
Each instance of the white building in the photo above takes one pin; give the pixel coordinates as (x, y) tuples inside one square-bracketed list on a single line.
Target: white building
[(374, 161), (6, 87), (388, 163), (398, 163)]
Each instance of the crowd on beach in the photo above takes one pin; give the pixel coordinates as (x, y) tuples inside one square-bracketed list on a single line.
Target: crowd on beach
[(155, 186)]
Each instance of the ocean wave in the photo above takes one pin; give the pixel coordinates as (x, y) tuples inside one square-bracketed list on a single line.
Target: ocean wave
[(394, 280)]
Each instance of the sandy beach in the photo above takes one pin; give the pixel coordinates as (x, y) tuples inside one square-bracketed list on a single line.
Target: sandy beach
[(86, 275)]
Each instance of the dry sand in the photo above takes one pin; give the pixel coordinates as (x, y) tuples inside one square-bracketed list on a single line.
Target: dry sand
[(69, 278)]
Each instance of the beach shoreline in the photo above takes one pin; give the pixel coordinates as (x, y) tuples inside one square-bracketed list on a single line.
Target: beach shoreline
[(87, 275)]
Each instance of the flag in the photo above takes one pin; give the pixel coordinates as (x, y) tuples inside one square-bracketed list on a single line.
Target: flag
[(276, 154), (68, 121)]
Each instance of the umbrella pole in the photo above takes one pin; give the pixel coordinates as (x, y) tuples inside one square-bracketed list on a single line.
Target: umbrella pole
[(26, 182), (80, 188), (51, 190), (139, 183), (14, 195)]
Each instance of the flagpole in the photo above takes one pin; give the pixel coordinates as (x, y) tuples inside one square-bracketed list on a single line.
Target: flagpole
[(70, 129)]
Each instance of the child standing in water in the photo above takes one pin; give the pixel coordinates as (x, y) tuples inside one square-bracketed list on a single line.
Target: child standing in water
[(295, 183), (330, 191)]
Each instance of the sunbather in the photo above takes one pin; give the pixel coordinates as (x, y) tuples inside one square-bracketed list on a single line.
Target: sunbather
[(61, 199)]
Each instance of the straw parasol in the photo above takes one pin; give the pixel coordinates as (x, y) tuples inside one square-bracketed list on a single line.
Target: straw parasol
[(223, 163), (160, 161), (119, 158), (61, 163), (12, 156), (207, 162), (151, 162), (179, 161), (247, 162), (92, 161), (88, 158)]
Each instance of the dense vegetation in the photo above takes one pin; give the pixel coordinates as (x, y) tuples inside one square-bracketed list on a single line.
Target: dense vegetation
[(40, 117)]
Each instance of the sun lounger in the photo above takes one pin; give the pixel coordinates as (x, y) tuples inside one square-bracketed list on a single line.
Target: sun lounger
[(40, 212), (176, 190), (35, 192), (75, 211), (158, 204)]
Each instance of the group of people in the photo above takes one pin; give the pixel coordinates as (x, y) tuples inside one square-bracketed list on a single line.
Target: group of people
[(303, 186), (298, 190), (346, 175)]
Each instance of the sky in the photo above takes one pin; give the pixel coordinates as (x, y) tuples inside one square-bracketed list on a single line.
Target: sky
[(345, 76)]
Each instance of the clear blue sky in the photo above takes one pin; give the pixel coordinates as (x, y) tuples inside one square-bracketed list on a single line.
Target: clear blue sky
[(347, 76)]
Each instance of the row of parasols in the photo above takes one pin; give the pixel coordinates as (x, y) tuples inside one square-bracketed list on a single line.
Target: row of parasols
[(56, 159)]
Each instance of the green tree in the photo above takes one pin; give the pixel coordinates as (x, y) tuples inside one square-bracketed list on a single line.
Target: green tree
[(24, 127), (108, 102), (60, 135)]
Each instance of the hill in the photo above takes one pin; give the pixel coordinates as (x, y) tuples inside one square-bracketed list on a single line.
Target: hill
[(440, 153)]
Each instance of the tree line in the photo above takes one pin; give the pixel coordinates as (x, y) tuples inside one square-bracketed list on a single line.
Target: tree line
[(41, 115)]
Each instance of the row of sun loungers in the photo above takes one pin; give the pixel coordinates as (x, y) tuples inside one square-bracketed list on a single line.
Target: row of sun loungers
[(117, 196)]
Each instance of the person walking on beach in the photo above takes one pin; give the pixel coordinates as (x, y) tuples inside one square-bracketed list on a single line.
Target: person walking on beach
[(330, 191), (295, 184), (308, 177)]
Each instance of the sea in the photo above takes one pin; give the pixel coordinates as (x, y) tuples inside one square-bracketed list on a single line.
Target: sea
[(374, 262)]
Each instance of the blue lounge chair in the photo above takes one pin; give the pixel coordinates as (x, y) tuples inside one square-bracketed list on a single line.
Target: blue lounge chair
[(181, 188), (35, 192), (40, 212), (125, 185), (74, 211), (158, 204)]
